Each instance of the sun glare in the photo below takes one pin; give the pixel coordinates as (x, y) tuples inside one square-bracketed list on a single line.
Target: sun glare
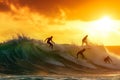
[(104, 22), (102, 26)]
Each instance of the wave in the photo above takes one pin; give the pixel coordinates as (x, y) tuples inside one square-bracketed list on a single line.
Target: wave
[(28, 56)]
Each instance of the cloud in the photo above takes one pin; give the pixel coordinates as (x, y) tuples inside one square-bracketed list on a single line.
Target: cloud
[(4, 7), (74, 9), (51, 9)]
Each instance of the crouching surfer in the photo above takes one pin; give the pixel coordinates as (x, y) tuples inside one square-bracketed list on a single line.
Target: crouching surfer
[(81, 53), (107, 59)]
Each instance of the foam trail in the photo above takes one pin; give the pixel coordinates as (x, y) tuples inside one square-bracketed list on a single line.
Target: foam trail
[(97, 53)]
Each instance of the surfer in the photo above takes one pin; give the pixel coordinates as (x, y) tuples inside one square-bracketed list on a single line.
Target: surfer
[(81, 53), (49, 41), (107, 59), (84, 40)]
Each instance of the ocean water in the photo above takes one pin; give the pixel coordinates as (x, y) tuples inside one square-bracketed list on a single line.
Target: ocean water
[(28, 59), (61, 77)]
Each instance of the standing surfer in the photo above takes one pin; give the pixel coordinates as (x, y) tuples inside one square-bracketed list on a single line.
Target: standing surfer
[(84, 40), (49, 41)]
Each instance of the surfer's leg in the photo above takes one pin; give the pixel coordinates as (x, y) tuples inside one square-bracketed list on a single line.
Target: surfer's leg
[(51, 45), (48, 42), (105, 60), (86, 42), (110, 59), (82, 55)]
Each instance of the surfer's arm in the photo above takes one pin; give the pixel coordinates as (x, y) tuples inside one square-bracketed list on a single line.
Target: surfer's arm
[(45, 39), (52, 41)]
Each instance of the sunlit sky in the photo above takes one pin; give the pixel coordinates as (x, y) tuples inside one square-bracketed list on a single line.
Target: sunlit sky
[(68, 21)]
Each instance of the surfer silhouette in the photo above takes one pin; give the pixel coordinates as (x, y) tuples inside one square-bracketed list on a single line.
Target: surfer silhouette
[(107, 60), (84, 40), (49, 41), (81, 53)]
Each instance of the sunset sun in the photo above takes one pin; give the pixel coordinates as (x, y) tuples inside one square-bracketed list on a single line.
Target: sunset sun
[(101, 27), (104, 25), (104, 22)]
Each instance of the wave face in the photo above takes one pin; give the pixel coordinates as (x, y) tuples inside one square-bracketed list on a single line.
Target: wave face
[(26, 56)]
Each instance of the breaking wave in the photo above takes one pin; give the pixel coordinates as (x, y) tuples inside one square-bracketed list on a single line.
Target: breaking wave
[(28, 56)]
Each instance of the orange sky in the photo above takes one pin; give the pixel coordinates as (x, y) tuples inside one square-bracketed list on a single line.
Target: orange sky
[(67, 20)]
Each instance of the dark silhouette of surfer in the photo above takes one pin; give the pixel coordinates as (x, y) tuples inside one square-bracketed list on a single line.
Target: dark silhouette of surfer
[(81, 53), (84, 40), (107, 59), (49, 41)]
